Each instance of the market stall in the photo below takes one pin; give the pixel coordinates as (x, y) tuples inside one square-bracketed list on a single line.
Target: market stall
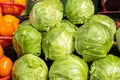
[(59, 40)]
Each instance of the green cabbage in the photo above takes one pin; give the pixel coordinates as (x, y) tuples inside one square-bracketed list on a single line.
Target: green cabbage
[(59, 41), (118, 38), (25, 23), (93, 41), (27, 40), (69, 67), (107, 68), (105, 20), (79, 11), (46, 14), (29, 67)]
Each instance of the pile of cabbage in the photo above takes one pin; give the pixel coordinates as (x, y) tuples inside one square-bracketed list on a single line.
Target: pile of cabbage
[(65, 42)]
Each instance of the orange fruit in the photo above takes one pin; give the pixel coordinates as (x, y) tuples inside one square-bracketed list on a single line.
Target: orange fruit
[(6, 29), (1, 16), (13, 20), (10, 18), (8, 25), (22, 2), (5, 66), (1, 51), (5, 0)]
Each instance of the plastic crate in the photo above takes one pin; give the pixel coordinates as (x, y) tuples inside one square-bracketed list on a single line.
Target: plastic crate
[(6, 78), (8, 48), (111, 5), (12, 8), (111, 8), (5, 41)]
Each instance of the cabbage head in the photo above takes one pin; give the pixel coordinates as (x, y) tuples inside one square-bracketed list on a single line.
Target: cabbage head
[(79, 11), (46, 14), (25, 23), (107, 68), (105, 20), (27, 40), (93, 41), (29, 67), (59, 41), (118, 38), (70, 67)]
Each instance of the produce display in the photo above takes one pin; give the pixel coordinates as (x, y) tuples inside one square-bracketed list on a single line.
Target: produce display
[(60, 41), (8, 24)]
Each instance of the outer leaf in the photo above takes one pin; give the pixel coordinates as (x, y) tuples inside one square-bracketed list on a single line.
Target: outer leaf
[(29, 67), (93, 41), (27, 40), (107, 68), (25, 23), (46, 14), (69, 67), (117, 36), (79, 11), (59, 41), (104, 20)]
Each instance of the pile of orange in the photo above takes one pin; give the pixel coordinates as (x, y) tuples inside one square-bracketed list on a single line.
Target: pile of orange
[(5, 64), (8, 25)]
